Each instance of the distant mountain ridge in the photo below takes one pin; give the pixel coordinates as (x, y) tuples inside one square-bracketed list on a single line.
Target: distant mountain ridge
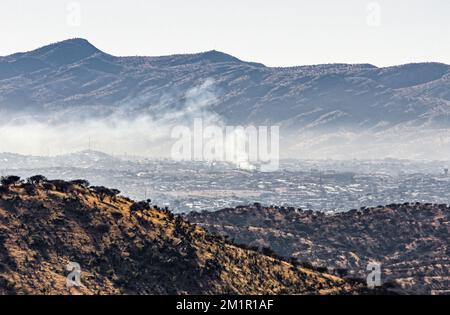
[(73, 79), (75, 73)]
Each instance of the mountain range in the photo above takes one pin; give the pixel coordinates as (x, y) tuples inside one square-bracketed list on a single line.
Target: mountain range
[(74, 73), (73, 79)]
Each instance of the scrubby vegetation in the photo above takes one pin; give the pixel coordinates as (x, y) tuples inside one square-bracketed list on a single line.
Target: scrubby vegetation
[(129, 247), (410, 240)]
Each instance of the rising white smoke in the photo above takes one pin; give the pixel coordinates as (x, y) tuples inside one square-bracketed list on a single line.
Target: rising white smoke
[(117, 132)]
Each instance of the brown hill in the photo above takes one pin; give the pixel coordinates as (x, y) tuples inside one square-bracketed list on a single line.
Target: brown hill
[(411, 241), (125, 247)]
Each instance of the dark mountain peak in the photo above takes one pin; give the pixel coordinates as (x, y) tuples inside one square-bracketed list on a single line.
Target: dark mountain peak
[(218, 56), (69, 44), (61, 53), (76, 41), (412, 74), (211, 56), (215, 56), (418, 68)]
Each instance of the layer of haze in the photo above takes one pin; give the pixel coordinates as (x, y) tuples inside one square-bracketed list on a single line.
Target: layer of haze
[(276, 33), (119, 132)]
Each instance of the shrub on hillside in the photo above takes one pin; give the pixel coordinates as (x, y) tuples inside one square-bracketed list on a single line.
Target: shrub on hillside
[(37, 179), (140, 206), (61, 185), (9, 180), (105, 192), (80, 182)]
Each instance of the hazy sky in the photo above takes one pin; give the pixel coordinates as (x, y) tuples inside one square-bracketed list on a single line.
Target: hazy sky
[(276, 33)]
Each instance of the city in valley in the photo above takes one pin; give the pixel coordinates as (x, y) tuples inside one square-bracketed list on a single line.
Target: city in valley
[(319, 185)]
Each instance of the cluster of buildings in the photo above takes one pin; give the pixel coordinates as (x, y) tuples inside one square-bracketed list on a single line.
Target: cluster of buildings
[(195, 186)]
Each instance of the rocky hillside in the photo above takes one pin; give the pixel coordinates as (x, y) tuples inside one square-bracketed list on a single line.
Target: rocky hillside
[(126, 247), (411, 241)]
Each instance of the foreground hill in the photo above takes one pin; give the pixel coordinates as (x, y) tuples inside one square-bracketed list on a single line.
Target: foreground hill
[(125, 247), (411, 241)]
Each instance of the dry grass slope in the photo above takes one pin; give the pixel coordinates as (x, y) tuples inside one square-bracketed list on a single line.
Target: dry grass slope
[(125, 247), (411, 241)]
